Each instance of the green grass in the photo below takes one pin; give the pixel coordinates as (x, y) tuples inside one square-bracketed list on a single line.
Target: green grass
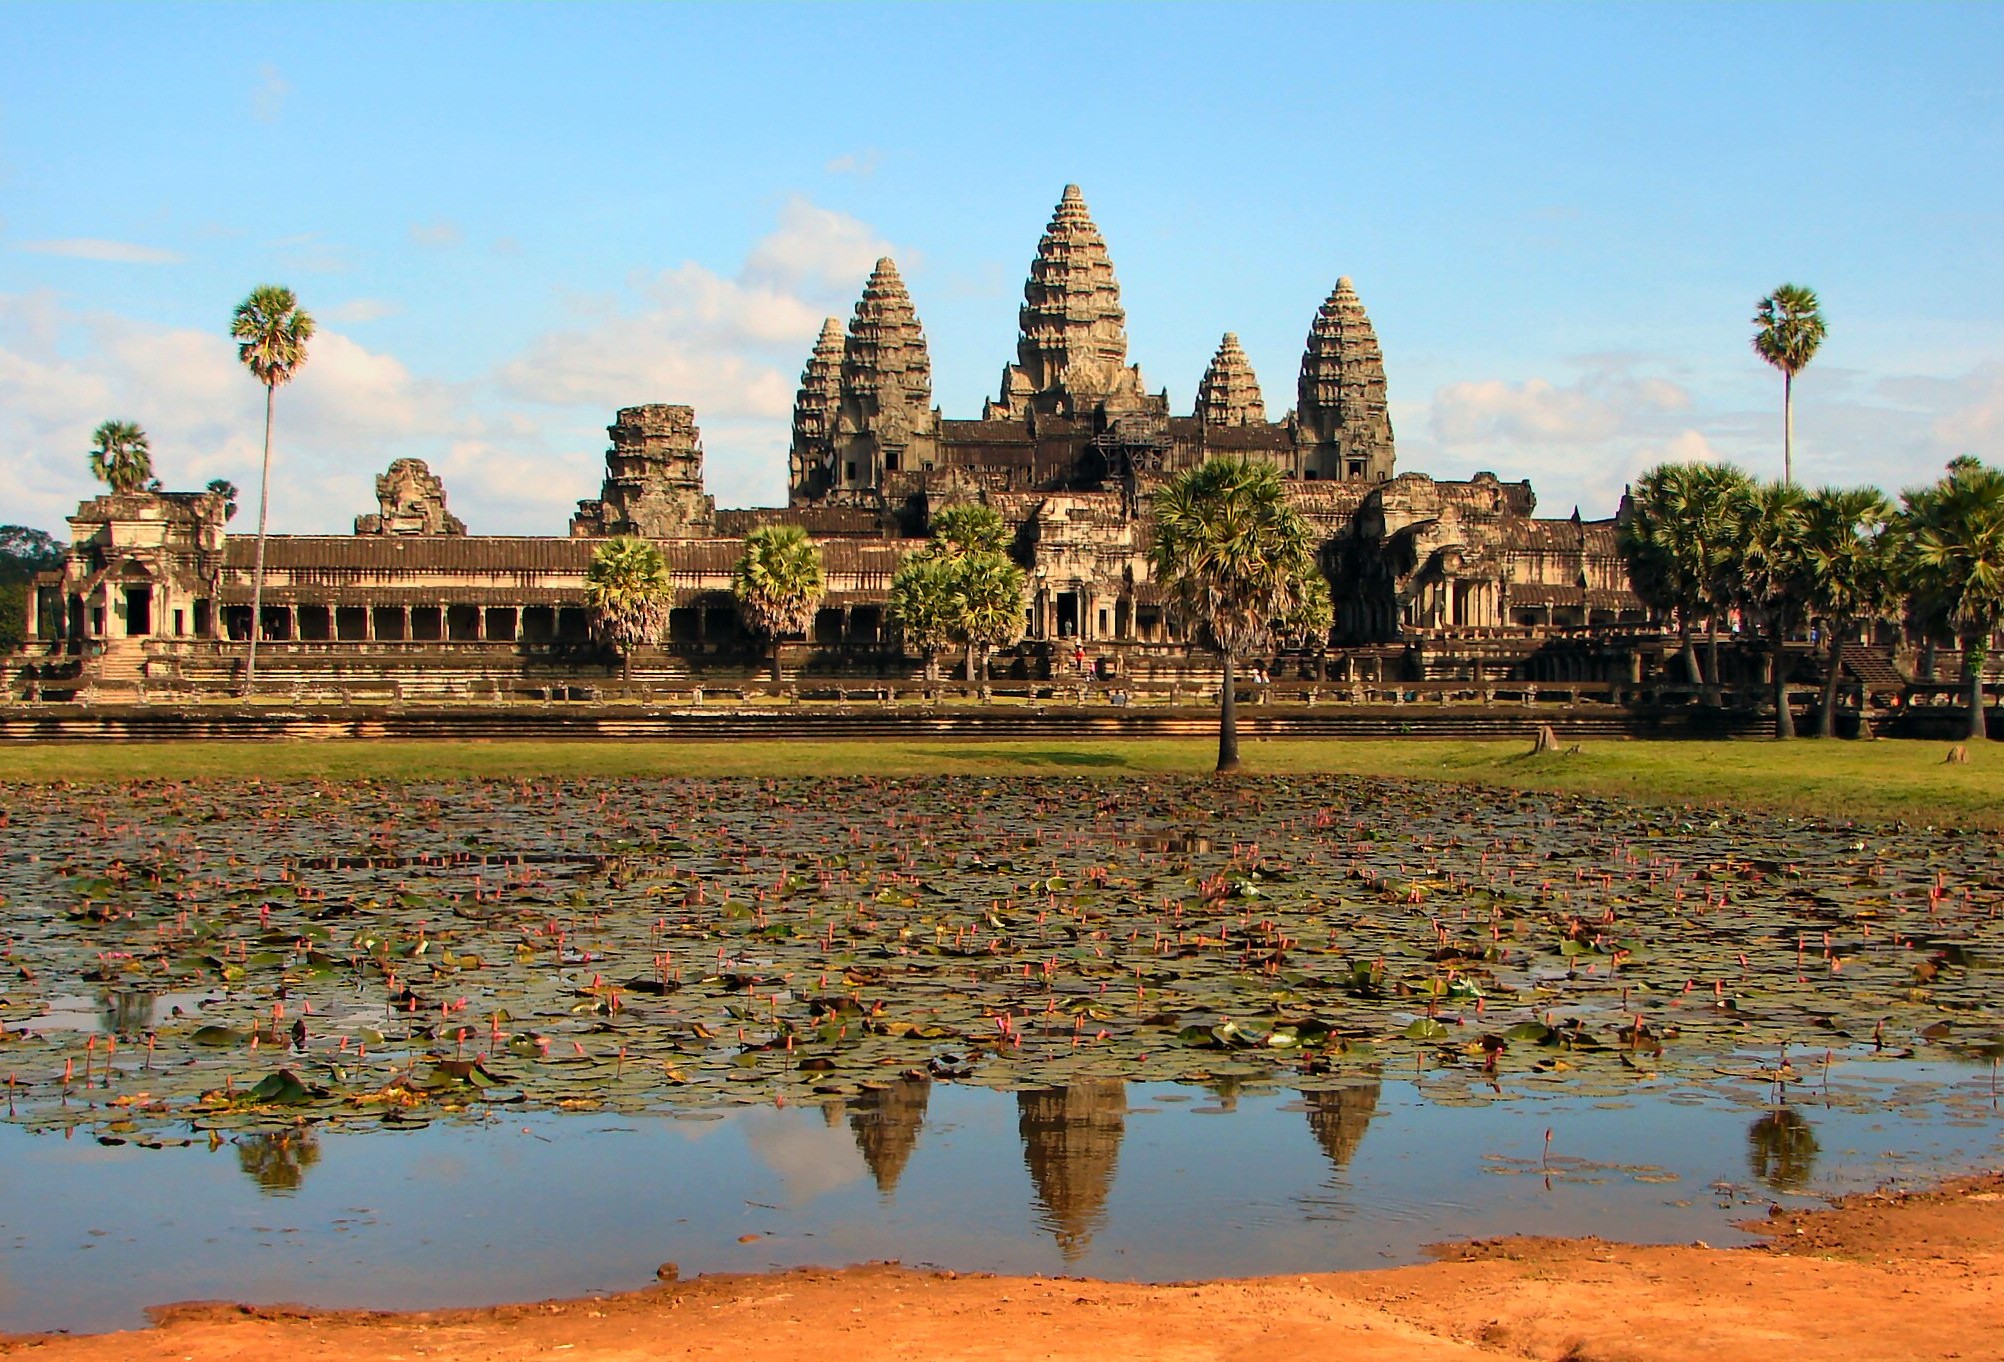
[(1883, 780)]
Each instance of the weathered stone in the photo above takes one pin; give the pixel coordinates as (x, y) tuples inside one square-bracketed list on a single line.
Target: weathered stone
[(1344, 425), (653, 478), (815, 410), (1071, 357), (885, 417), (411, 500), (1228, 394)]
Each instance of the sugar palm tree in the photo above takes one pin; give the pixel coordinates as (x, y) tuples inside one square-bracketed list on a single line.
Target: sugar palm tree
[(1949, 553), (1844, 560), (987, 606), (922, 605), (271, 331), (968, 527), (778, 584), (1768, 576), (120, 457), (1675, 539), (1791, 330), (1234, 556), (627, 594)]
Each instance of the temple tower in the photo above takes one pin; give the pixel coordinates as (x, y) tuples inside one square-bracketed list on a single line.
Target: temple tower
[(884, 422), (1228, 394), (653, 478), (1342, 425), (815, 409), (1071, 357)]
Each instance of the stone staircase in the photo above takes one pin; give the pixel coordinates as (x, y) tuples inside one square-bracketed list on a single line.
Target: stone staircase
[(1874, 668)]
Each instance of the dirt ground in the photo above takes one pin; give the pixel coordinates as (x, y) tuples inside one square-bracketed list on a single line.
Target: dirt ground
[(1879, 1278)]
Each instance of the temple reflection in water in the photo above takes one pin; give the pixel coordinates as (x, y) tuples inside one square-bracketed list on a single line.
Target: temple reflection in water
[(1071, 1144)]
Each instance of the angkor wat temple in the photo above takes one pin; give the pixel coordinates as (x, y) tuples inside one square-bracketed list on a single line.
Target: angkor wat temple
[(1069, 451)]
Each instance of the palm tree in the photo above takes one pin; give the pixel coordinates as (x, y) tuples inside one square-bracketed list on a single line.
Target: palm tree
[(628, 592), (778, 584), (1675, 539), (968, 528), (1234, 556), (227, 490), (1844, 561), (1768, 575), (1791, 329), (1949, 554), (271, 331), (120, 457), (987, 606), (923, 605)]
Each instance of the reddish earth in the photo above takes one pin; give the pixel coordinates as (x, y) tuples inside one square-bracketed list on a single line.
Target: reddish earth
[(1880, 1277)]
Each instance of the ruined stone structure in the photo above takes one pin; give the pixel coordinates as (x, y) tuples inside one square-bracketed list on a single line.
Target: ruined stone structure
[(1069, 452), (410, 500)]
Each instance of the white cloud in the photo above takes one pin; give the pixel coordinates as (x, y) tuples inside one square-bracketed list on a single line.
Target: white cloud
[(815, 248), (1594, 408), (269, 95), (861, 164), (97, 248), (438, 234), (356, 310)]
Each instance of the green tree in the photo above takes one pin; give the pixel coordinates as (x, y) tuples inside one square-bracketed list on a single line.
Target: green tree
[(968, 527), (23, 553), (227, 490), (1768, 575), (1791, 330), (1677, 539), (922, 605), (1948, 549), (1844, 558), (627, 594), (778, 584), (986, 591), (120, 457), (1235, 557), (271, 331)]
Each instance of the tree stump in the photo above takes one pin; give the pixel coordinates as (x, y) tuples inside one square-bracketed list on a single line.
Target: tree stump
[(1546, 741), (1958, 755)]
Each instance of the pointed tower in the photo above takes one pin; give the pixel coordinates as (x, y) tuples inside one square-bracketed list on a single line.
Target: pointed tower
[(1342, 426), (1071, 1145), (815, 409), (1338, 1118), (884, 421), (1228, 395), (1071, 357), (886, 1122)]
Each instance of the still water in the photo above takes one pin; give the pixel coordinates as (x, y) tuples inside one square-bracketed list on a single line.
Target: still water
[(1145, 1181)]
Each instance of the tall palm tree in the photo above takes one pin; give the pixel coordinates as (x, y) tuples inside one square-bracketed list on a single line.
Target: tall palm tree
[(271, 331), (627, 594), (120, 457), (1235, 557), (1791, 330), (1844, 560), (1676, 537), (987, 606), (778, 584), (1949, 553), (922, 605), (968, 527), (1768, 577)]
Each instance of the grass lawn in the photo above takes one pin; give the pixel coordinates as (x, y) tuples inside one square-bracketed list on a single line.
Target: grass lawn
[(1884, 779)]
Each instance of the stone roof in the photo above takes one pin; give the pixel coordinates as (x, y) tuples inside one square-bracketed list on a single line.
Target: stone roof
[(1228, 394), (1341, 395), (886, 368)]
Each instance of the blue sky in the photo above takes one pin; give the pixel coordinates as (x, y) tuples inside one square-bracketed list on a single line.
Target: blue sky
[(511, 220)]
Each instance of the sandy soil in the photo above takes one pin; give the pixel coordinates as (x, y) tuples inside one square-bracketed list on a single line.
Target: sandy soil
[(1881, 1277)]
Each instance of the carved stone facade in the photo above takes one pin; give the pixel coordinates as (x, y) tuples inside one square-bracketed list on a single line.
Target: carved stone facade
[(653, 478), (1228, 394), (410, 499)]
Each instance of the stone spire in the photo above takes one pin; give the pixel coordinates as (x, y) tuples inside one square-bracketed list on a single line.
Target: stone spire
[(886, 384), (1228, 395), (1342, 422), (1072, 354), (815, 408), (1071, 1144), (653, 478)]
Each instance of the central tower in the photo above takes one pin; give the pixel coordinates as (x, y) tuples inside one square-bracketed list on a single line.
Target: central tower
[(1071, 357)]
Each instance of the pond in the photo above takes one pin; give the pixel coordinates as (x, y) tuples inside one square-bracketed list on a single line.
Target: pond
[(494, 1039)]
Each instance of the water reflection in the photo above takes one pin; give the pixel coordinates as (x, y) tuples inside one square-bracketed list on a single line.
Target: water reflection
[(1071, 1142), (126, 1012), (886, 1122), (1782, 1149), (277, 1160), (1338, 1118)]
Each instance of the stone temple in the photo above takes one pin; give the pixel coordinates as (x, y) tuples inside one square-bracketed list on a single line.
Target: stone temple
[(1428, 577)]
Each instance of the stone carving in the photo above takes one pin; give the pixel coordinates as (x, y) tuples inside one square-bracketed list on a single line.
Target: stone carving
[(411, 500), (653, 478), (815, 409), (1228, 395), (1344, 426), (884, 421), (1072, 354)]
